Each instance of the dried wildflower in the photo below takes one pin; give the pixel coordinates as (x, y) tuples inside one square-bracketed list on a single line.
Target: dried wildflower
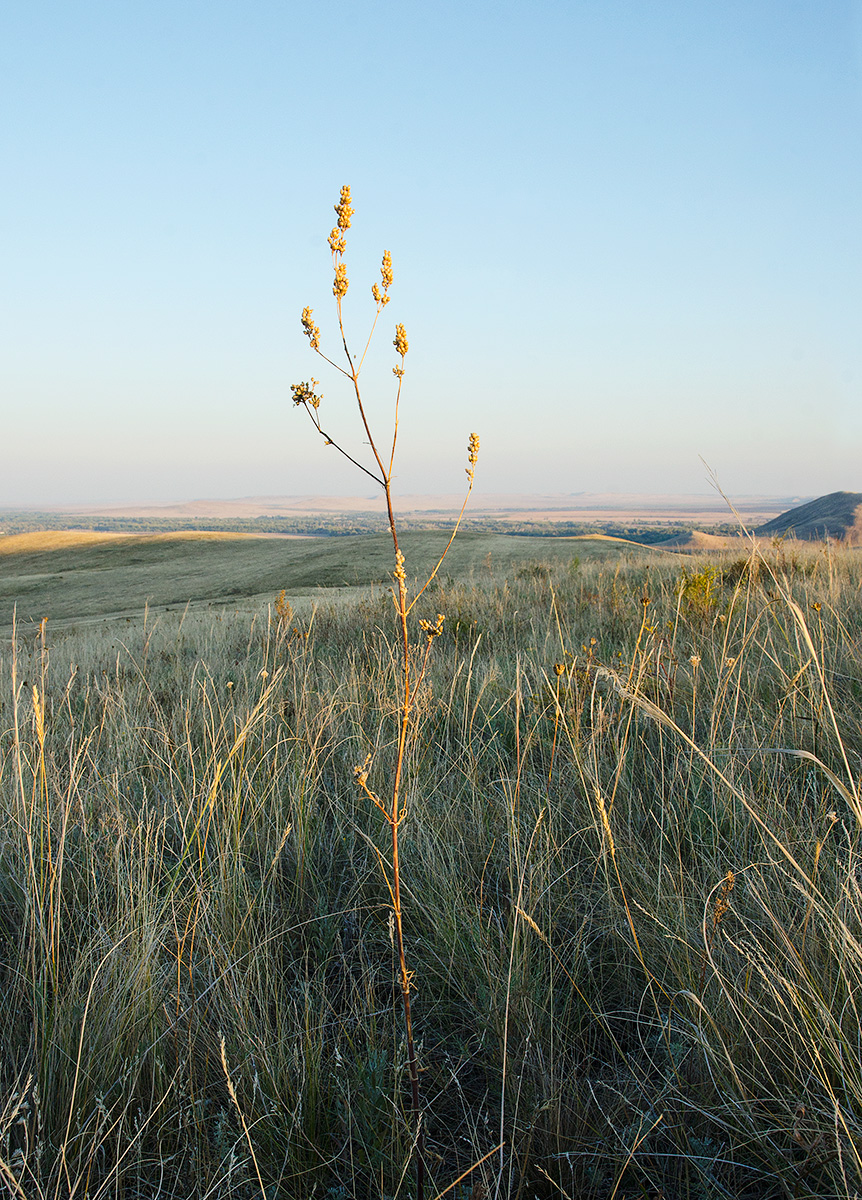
[(337, 241), (342, 283), (398, 372), (39, 713), (399, 572), (386, 271), (304, 393), (344, 209), (472, 454), (722, 900), (401, 344), (361, 773), (435, 630), (816, 606), (695, 661), (309, 328), (380, 296), (559, 669)]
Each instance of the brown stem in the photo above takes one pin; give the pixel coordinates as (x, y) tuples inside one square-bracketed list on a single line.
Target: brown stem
[(395, 814), (331, 442), (394, 821)]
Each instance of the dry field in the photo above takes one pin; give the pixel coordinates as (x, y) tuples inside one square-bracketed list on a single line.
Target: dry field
[(70, 576), (630, 868)]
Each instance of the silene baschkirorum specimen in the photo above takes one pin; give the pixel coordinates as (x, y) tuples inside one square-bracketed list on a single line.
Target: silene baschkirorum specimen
[(386, 795)]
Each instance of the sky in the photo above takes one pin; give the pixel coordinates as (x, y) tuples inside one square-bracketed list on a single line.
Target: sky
[(626, 238)]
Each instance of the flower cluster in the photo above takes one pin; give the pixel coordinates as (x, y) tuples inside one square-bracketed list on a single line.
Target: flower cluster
[(361, 773), (344, 209), (401, 344), (722, 901), (381, 295), (309, 328), (472, 454), (432, 631), (341, 284), (304, 393)]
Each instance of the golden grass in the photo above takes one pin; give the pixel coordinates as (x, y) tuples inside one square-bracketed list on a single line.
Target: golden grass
[(117, 577), (54, 539)]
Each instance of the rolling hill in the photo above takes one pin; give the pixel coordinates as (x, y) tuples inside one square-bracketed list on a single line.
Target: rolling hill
[(71, 576), (838, 515)]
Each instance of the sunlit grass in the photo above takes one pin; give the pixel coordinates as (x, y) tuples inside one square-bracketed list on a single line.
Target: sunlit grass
[(185, 857)]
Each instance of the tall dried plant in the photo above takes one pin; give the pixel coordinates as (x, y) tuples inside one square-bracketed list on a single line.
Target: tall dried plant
[(388, 799)]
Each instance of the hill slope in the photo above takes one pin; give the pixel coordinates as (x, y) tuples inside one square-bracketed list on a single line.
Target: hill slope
[(838, 515), (73, 576)]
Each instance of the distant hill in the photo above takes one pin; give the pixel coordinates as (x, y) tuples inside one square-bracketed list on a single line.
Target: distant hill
[(838, 515), (698, 539)]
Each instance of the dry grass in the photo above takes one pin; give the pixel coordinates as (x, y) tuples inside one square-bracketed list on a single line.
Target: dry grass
[(185, 857), (118, 576)]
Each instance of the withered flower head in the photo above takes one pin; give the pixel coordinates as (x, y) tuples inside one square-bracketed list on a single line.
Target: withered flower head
[(472, 454), (344, 209), (432, 629), (310, 329), (401, 344), (342, 283), (337, 241), (386, 271), (304, 393)]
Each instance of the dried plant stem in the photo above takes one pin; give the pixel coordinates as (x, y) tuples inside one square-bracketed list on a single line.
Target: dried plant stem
[(393, 809)]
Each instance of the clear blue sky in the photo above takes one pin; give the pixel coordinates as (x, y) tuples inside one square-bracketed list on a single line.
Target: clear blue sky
[(625, 234)]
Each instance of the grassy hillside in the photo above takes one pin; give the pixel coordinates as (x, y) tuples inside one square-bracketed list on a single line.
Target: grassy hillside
[(66, 576), (838, 515), (632, 896)]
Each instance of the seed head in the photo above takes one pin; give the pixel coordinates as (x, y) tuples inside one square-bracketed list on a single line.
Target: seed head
[(559, 669), (722, 900), (401, 344), (310, 329), (386, 271), (337, 242), (399, 572), (304, 393), (344, 209), (381, 295), (472, 454), (342, 283), (361, 773), (434, 630)]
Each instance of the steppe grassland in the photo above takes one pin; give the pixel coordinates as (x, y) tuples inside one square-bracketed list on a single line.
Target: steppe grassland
[(632, 892), (69, 576)]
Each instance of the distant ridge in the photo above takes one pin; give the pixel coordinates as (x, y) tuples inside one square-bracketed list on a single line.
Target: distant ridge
[(838, 515)]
